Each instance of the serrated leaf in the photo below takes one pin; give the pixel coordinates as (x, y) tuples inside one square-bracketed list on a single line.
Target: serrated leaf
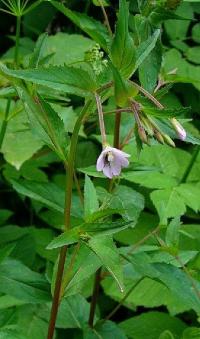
[(91, 203), (38, 51), (168, 204), (166, 112), (107, 252), (145, 48), (61, 78), (48, 194), (172, 233), (19, 281), (122, 48), (66, 238), (151, 324), (93, 28)]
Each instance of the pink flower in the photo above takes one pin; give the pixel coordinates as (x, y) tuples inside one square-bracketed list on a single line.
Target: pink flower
[(179, 129), (111, 161)]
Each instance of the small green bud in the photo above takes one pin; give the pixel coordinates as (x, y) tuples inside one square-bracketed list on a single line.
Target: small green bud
[(159, 136), (168, 140), (142, 135)]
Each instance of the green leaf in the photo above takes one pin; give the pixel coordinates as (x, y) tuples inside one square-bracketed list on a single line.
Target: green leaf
[(67, 49), (91, 203), (191, 333), (66, 238), (73, 312), (196, 33), (145, 48), (19, 143), (106, 227), (107, 330), (168, 204), (93, 28), (19, 281), (38, 51), (63, 78), (177, 29), (86, 264), (151, 325), (109, 256), (127, 199), (166, 335), (123, 89), (54, 127), (172, 233), (166, 112), (193, 54), (150, 68), (122, 48), (150, 179), (190, 195), (48, 194), (31, 323)]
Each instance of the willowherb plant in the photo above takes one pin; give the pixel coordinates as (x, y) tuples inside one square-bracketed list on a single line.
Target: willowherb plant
[(120, 77)]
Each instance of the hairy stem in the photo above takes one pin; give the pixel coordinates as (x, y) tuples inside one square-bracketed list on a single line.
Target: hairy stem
[(18, 25), (148, 95), (117, 130), (105, 17), (68, 198), (94, 297), (101, 119), (4, 123), (190, 165)]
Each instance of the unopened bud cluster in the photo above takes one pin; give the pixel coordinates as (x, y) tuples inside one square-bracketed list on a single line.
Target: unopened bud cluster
[(96, 58), (147, 128)]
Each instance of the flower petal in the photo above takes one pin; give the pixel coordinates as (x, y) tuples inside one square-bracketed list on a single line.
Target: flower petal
[(118, 152), (115, 168), (100, 162), (107, 171)]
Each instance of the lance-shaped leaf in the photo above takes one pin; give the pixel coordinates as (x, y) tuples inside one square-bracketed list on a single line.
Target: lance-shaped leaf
[(38, 51), (145, 48), (86, 231), (63, 78), (106, 250), (122, 48), (123, 89), (45, 123), (91, 204), (93, 28)]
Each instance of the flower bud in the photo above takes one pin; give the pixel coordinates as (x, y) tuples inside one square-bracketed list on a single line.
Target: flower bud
[(142, 135), (179, 129), (159, 136), (168, 140)]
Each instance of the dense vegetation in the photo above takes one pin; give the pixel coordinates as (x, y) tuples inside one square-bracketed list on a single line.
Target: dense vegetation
[(109, 250)]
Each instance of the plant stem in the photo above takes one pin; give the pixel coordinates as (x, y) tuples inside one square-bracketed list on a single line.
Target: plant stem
[(68, 198), (105, 17), (148, 95), (18, 25), (101, 119), (4, 123), (116, 143), (94, 297), (190, 165), (110, 315)]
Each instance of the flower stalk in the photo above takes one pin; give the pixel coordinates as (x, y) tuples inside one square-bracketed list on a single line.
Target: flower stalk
[(68, 199)]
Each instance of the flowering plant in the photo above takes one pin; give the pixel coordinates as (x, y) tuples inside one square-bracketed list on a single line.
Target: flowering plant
[(99, 136)]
